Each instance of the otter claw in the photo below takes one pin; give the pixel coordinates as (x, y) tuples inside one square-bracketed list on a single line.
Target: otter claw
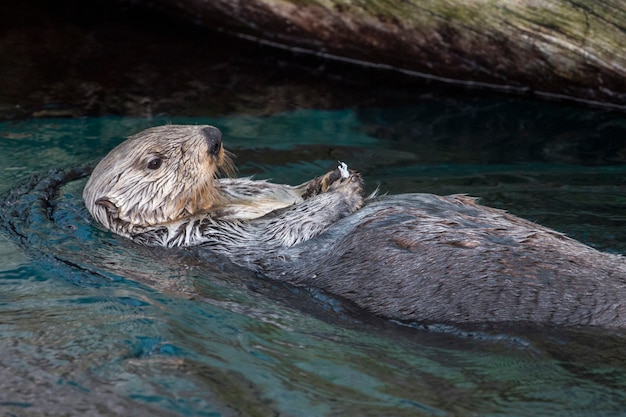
[(343, 169)]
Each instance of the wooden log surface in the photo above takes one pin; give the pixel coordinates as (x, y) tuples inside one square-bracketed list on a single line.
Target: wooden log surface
[(554, 48)]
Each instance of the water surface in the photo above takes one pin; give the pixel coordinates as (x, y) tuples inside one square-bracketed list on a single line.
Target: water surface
[(94, 325)]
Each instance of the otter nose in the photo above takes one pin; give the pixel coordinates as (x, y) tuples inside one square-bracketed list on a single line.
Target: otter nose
[(213, 138)]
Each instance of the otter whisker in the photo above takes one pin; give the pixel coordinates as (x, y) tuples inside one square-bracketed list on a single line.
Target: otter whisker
[(228, 168)]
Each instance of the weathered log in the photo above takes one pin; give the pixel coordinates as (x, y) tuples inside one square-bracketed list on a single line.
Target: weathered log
[(555, 48)]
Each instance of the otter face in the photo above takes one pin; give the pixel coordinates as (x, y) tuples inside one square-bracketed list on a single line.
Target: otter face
[(159, 175)]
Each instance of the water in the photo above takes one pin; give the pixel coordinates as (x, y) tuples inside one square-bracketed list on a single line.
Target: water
[(94, 325)]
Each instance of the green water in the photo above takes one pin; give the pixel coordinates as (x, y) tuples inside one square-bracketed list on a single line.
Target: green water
[(94, 325)]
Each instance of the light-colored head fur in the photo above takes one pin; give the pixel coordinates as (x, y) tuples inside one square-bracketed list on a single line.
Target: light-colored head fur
[(159, 175)]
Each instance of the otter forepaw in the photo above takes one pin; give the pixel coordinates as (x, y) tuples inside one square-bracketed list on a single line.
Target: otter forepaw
[(342, 180), (352, 188), (338, 174)]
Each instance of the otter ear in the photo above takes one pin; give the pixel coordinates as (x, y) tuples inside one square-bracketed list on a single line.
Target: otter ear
[(108, 205)]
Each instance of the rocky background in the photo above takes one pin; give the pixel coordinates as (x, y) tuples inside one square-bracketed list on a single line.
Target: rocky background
[(72, 58), (550, 48)]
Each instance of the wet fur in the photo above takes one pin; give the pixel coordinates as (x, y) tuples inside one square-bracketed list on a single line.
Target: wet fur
[(183, 203), (409, 257), (448, 259)]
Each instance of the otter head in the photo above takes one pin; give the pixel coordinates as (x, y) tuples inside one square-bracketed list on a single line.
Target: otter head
[(159, 175)]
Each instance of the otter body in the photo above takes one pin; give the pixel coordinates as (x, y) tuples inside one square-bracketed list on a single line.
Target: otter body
[(416, 257), (422, 257)]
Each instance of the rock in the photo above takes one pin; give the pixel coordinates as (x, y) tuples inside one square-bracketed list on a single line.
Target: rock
[(551, 48)]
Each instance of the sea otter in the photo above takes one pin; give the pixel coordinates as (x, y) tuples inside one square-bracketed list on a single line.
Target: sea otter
[(413, 257)]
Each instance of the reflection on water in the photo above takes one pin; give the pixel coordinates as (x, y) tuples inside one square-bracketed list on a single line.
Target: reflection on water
[(92, 324)]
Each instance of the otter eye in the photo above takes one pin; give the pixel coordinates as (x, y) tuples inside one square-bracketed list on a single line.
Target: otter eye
[(155, 163)]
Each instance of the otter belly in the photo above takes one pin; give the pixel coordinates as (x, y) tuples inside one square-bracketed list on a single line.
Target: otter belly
[(447, 259)]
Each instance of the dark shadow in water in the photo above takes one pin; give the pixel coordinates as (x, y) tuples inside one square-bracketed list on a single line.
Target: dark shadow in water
[(490, 130)]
